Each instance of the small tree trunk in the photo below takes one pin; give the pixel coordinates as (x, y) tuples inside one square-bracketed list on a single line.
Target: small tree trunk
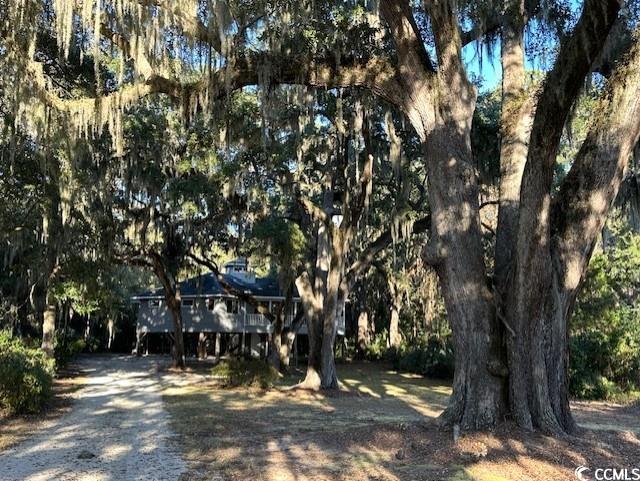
[(216, 350), (289, 338), (275, 347), (111, 330), (394, 328), (363, 332), (49, 329), (202, 345)]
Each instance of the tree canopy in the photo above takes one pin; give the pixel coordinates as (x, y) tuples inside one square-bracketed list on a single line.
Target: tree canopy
[(325, 132)]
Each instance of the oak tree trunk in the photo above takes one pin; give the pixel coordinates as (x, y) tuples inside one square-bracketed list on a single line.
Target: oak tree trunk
[(478, 400)]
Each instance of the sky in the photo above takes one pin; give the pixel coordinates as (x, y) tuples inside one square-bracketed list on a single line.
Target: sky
[(485, 66)]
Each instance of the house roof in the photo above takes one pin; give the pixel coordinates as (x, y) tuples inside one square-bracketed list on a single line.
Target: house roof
[(208, 285)]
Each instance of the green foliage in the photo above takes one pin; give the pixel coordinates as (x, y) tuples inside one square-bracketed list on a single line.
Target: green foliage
[(605, 341), (247, 373), (25, 376), (67, 348), (485, 136), (432, 356), (281, 241), (377, 349)]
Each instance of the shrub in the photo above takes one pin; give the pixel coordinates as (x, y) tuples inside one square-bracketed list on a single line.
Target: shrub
[(432, 356), (249, 373), (377, 349), (605, 363), (66, 348), (25, 376)]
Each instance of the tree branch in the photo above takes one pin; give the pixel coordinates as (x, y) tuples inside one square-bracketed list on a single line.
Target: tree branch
[(371, 252), (589, 189)]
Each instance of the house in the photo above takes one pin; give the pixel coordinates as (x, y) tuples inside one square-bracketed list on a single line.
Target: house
[(209, 309)]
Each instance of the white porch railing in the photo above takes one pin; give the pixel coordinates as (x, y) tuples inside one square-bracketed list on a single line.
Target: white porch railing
[(259, 320), (256, 320)]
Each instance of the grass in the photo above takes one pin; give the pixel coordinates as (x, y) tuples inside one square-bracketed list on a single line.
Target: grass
[(378, 426)]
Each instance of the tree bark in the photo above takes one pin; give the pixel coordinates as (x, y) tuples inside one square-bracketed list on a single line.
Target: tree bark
[(278, 351), (174, 303), (320, 372), (537, 349), (440, 108), (395, 294), (202, 345), (518, 107), (49, 328), (363, 332)]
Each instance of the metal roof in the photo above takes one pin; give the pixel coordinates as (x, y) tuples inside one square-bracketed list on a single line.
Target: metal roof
[(207, 285)]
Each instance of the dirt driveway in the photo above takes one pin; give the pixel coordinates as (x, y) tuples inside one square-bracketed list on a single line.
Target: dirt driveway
[(118, 430)]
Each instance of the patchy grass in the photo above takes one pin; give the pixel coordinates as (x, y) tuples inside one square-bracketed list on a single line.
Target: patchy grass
[(379, 426), (16, 428)]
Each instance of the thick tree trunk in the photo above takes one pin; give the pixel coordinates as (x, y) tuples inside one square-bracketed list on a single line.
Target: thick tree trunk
[(174, 304), (321, 372), (440, 107), (478, 399), (535, 308)]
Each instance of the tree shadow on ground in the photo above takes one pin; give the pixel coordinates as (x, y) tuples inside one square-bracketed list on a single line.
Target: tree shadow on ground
[(381, 426)]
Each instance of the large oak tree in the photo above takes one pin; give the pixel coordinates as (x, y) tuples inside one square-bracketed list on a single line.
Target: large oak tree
[(411, 56)]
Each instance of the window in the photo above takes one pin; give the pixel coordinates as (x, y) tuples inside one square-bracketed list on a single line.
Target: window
[(154, 302), (232, 306), (187, 302)]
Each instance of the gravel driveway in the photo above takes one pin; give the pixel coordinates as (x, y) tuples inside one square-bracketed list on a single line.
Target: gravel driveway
[(118, 430)]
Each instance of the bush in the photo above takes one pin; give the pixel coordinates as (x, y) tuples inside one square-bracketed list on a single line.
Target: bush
[(25, 376), (605, 329), (605, 363), (432, 356), (248, 373), (377, 349), (66, 348)]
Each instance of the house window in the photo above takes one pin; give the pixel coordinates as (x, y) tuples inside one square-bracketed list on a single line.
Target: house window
[(187, 302), (232, 306), (154, 302)]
